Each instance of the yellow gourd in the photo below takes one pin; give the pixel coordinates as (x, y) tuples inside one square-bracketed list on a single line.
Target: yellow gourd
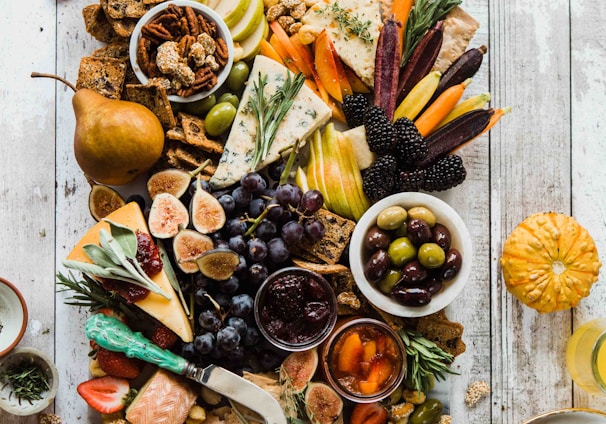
[(550, 262)]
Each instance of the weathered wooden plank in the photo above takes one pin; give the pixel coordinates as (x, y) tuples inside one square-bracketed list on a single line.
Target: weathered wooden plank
[(530, 165), (73, 218), (588, 154)]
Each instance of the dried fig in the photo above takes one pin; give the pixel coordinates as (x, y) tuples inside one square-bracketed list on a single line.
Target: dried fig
[(189, 245), (298, 368), (167, 216), (322, 404), (218, 264), (207, 214)]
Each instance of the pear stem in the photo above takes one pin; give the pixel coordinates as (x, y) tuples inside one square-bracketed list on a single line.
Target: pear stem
[(57, 77)]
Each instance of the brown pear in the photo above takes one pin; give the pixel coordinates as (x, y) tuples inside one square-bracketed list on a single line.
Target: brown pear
[(114, 140)]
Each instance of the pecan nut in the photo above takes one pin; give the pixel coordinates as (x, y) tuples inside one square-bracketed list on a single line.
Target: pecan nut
[(156, 32), (192, 21), (221, 53)]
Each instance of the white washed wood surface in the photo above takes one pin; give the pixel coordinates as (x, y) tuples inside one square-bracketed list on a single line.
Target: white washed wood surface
[(546, 59)]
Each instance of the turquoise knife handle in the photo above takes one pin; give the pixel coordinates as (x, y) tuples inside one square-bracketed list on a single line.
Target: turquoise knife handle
[(112, 334)]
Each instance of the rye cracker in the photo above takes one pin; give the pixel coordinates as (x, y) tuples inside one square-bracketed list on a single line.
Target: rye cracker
[(155, 98), (105, 75), (193, 127)]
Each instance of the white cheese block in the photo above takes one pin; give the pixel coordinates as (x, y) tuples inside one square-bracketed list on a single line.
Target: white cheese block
[(356, 52), (307, 113)]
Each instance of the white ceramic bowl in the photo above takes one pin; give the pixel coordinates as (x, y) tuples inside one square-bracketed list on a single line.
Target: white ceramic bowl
[(570, 415), (13, 316), (208, 13), (21, 356), (445, 215)]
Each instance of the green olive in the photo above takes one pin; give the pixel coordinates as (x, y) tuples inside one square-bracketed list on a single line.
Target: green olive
[(390, 279), (219, 118), (229, 97), (237, 76), (421, 212), (201, 106), (391, 218), (401, 251), (431, 255), (428, 412)]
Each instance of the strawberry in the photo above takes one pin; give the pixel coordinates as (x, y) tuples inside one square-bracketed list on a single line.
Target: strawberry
[(117, 364), (105, 394), (163, 337)]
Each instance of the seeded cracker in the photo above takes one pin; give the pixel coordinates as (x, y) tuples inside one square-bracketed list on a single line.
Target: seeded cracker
[(153, 97), (105, 75), (120, 9), (195, 135), (443, 332), (97, 25), (116, 49), (122, 27)]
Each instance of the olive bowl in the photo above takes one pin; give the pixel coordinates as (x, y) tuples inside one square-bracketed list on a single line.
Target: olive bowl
[(200, 9), (13, 316), (460, 240), (27, 357)]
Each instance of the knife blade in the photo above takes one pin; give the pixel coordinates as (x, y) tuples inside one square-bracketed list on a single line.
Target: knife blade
[(112, 334)]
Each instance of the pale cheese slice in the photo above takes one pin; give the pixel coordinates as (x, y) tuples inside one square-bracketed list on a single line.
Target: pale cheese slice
[(168, 312), (340, 18), (164, 399), (307, 113)]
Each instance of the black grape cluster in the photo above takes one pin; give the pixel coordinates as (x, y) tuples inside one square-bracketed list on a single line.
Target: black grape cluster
[(264, 220)]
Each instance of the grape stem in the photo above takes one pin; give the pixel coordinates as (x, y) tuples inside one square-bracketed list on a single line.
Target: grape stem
[(289, 164), (258, 220)]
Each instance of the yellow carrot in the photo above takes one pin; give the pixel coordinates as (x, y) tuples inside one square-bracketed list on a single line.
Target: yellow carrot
[(415, 101), (400, 11), (441, 107), (472, 103)]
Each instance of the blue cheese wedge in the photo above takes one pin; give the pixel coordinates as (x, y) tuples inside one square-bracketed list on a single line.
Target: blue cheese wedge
[(308, 112), (354, 27)]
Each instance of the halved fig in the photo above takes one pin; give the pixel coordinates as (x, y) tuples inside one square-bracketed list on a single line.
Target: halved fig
[(173, 181), (218, 264), (189, 245), (298, 368), (322, 404), (167, 216), (207, 214), (103, 200)]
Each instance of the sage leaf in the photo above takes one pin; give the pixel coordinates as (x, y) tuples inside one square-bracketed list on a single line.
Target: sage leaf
[(125, 236), (98, 255), (170, 273), (89, 269)]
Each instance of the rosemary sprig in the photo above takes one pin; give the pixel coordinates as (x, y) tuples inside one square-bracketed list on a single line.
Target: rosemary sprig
[(423, 15), (27, 382), (89, 293), (424, 360), (269, 113), (349, 24), (116, 257)]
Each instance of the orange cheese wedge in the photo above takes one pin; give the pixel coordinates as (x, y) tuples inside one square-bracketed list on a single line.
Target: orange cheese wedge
[(168, 312)]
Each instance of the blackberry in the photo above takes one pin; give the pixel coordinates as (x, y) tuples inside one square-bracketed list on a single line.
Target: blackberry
[(446, 173), (354, 106), (410, 147), (379, 130), (410, 180), (379, 179)]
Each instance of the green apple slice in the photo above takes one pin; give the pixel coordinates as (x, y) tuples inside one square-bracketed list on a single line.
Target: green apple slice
[(249, 22), (232, 11), (252, 44)]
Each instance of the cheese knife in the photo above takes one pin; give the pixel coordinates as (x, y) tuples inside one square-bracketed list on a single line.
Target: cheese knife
[(111, 334)]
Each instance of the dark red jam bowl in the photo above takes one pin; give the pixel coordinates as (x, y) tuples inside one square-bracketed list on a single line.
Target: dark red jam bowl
[(295, 309)]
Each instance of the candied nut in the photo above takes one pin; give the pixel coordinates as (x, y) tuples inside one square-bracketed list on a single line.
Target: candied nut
[(173, 8), (476, 391), (205, 79), (143, 59), (294, 28), (275, 11), (286, 21), (192, 21), (307, 34), (222, 54), (207, 42), (197, 55), (211, 62), (291, 4), (156, 32), (184, 25), (209, 28), (185, 45), (349, 299), (298, 11), (269, 3)]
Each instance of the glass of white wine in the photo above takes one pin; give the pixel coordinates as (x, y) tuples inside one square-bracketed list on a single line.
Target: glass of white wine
[(586, 356)]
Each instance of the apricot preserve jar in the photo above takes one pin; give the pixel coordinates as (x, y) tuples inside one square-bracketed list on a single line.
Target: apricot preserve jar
[(364, 360), (295, 309)]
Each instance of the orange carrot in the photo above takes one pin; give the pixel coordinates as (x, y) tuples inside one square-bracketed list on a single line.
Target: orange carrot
[(440, 108), (498, 114), (400, 10), (268, 50)]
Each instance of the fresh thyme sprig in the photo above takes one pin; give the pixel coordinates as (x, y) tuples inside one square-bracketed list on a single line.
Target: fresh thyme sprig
[(423, 15), (27, 382), (116, 257), (269, 113), (425, 360), (349, 24), (89, 293)]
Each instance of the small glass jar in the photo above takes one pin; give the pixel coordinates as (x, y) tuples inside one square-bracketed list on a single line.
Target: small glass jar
[(295, 309), (586, 356), (364, 360)]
